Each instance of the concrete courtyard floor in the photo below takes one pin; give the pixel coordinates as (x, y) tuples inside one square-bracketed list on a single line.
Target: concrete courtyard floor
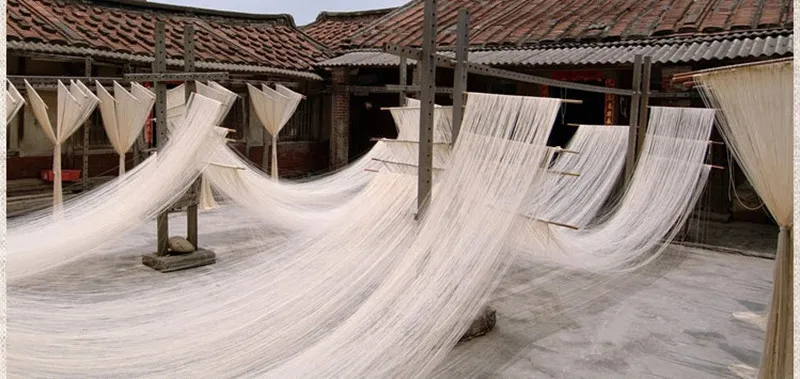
[(670, 320)]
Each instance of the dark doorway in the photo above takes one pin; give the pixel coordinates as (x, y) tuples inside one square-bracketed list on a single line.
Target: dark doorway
[(368, 121), (590, 112)]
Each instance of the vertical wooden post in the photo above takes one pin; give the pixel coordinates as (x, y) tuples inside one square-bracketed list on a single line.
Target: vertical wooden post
[(427, 70), (159, 66), (194, 190), (630, 157), (403, 79), (267, 142), (87, 126), (644, 105), (460, 75)]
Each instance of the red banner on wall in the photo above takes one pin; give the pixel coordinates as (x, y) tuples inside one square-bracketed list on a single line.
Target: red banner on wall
[(544, 91), (577, 75), (610, 103)]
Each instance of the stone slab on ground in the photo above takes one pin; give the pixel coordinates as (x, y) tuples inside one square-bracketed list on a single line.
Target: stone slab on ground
[(175, 262), (481, 325)]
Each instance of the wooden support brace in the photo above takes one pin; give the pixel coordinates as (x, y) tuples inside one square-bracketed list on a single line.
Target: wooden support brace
[(630, 157), (222, 165), (558, 224), (645, 100), (460, 74), (390, 140), (564, 173), (194, 190), (414, 108), (403, 79), (427, 69)]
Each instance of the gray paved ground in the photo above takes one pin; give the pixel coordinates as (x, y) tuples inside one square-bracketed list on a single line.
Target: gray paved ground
[(671, 320), (739, 237)]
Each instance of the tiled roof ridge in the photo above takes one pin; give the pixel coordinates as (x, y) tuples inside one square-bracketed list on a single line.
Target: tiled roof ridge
[(525, 22), (124, 26), (334, 29), (138, 58), (333, 15), (396, 11), (282, 18)]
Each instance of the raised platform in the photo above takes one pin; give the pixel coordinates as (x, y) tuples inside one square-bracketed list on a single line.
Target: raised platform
[(175, 262)]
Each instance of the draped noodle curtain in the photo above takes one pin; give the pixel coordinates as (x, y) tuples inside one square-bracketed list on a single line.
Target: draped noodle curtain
[(75, 104), (14, 101), (756, 123), (274, 108), (124, 115)]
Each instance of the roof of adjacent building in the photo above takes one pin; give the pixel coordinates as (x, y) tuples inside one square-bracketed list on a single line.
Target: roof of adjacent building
[(748, 45), (124, 29), (333, 29), (526, 23)]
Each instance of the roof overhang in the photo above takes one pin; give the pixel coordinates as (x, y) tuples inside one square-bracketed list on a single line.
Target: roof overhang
[(40, 47), (662, 52)]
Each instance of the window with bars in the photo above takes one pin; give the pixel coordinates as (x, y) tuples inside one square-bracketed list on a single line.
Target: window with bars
[(306, 123)]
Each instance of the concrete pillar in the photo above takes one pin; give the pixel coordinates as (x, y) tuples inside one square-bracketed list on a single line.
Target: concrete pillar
[(340, 119)]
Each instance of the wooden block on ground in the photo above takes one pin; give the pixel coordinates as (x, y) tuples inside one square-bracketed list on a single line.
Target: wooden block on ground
[(481, 325), (168, 263)]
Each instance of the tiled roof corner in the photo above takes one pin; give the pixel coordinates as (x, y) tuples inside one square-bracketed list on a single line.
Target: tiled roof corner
[(126, 27), (334, 29)]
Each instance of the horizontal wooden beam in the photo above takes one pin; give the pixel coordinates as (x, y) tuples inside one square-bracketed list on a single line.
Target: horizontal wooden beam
[(376, 139), (225, 166), (688, 76), (415, 108), (177, 76), (484, 70)]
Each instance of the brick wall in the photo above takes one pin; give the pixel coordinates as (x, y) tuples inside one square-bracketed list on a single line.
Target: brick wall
[(294, 158), (340, 119), (31, 167)]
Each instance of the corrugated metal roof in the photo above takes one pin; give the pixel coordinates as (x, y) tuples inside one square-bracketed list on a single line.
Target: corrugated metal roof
[(683, 52), (84, 51), (364, 58)]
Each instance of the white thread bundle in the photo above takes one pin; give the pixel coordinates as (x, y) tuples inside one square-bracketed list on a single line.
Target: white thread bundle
[(124, 115), (575, 200), (274, 108), (336, 267), (227, 98), (14, 101), (376, 295), (176, 105), (756, 123), (286, 205), (407, 122), (39, 241), (314, 202), (669, 177), (74, 107)]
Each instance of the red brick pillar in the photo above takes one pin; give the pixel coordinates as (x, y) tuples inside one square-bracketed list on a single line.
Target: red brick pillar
[(340, 120)]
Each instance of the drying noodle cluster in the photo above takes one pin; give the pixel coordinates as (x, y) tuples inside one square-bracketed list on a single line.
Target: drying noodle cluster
[(357, 287)]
